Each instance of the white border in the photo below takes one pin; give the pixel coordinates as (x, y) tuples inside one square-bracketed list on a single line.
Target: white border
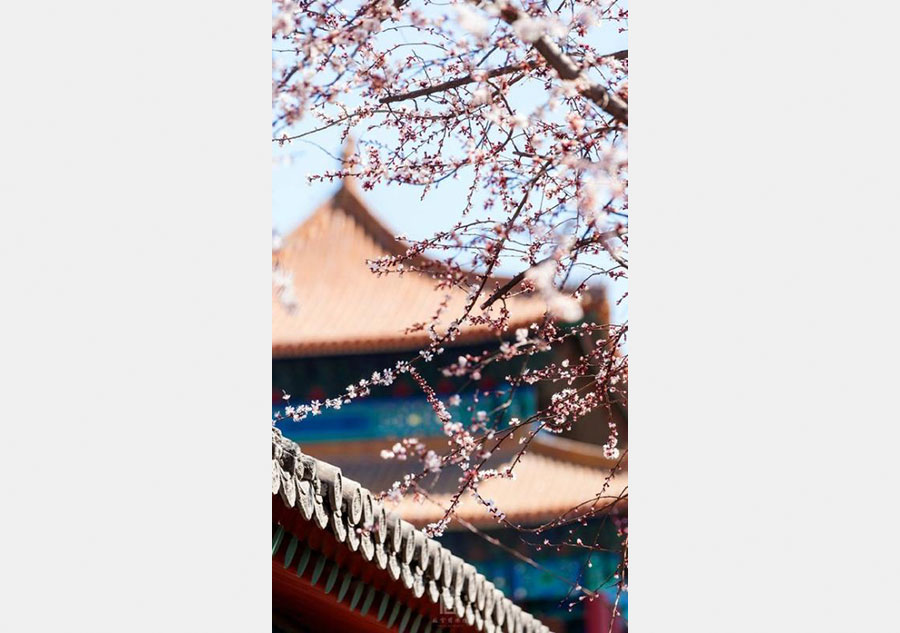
[(135, 331), (763, 317)]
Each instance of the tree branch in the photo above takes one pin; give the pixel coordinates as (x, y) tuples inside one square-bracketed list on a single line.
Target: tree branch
[(456, 83), (569, 70), (462, 81), (512, 283)]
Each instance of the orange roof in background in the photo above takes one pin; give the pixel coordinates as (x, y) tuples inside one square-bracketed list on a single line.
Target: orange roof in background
[(555, 475), (544, 489), (344, 307)]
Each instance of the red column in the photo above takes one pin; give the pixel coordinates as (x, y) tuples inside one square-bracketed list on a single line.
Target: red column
[(597, 614)]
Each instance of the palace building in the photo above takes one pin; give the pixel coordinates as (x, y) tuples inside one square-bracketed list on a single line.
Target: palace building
[(348, 323)]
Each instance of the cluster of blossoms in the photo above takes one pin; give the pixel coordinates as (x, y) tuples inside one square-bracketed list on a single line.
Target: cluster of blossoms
[(609, 449), (405, 447), (563, 305), (412, 446), (491, 507), (361, 389), (439, 409), (516, 100)]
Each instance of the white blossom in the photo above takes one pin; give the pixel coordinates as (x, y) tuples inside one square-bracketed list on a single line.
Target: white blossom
[(528, 29), (481, 96), (432, 462), (471, 21)]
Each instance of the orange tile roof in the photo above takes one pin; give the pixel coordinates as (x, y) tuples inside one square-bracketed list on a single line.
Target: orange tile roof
[(344, 307), (544, 489), (555, 475)]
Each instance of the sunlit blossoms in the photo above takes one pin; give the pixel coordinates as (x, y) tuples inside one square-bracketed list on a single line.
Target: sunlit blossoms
[(522, 105)]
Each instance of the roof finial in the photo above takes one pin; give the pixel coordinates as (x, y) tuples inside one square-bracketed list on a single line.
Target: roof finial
[(349, 147), (346, 158)]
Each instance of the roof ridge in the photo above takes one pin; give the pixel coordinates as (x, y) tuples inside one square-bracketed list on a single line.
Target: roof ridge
[(347, 199), (339, 237), (322, 495)]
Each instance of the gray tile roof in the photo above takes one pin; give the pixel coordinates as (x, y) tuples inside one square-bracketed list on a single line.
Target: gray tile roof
[(322, 495)]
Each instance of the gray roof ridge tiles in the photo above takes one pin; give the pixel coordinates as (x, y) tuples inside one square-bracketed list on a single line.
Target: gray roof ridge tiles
[(358, 520)]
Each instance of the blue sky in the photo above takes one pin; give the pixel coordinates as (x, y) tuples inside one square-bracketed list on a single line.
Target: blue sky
[(398, 207)]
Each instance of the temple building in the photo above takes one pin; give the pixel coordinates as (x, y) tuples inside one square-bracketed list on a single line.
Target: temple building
[(348, 323)]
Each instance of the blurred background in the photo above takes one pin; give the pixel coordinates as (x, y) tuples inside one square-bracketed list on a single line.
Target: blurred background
[(348, 324)]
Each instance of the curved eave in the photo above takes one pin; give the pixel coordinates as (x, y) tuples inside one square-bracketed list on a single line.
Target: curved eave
[(349, 535), (399, 343)]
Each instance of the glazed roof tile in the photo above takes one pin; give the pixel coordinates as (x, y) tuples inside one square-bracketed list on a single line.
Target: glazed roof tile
[(544, 489), (345, 308), (555, 476), (324, 498)]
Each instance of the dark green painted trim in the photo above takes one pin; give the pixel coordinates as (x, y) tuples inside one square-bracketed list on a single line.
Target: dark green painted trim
[(405, 619), (394, 614), (289, 555), (384, 604), (360, 586), (304, 560), (368, 602), (317, 570), (332, 578), (276, 539), (345, 585)]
